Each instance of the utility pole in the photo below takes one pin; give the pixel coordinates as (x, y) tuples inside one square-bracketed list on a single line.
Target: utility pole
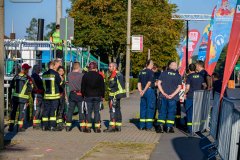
[(1, 74), (128, 47), (58, 11)]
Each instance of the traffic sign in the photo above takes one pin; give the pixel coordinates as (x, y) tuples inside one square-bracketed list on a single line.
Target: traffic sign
[(237, 67), (137, 43)]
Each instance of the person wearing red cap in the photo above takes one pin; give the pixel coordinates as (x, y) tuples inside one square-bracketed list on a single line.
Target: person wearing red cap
[(93, 89), (22, 87)]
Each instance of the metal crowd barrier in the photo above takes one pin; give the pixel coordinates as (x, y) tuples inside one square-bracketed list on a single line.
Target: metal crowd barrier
[(201, 110), (214, 115), (229, 129)]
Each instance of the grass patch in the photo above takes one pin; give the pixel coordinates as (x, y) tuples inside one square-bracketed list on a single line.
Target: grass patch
[(120, 151)]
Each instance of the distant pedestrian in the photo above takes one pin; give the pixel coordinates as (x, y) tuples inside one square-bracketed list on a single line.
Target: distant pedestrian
[(57, 42), (217, 83), (169, 86)]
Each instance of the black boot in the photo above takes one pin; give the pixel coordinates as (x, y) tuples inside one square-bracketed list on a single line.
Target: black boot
[(45, 128), (170, 130), (118, 129), (159, 129), (88, 130), (11, 128), (98, 130)]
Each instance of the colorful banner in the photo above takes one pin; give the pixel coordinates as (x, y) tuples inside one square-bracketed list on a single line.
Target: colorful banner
[(204, 42), (193, 38), (233, 49), (221, 31), (209, 39)]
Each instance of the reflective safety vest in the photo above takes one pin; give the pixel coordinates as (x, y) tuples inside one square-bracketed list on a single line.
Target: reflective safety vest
[(50, 86), (117, 86), (57, 40), (21, 86)]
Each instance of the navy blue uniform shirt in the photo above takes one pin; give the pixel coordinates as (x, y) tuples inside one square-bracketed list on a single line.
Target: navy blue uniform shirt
[(204, 74), (170, 81), (195, 80), (145, 76)]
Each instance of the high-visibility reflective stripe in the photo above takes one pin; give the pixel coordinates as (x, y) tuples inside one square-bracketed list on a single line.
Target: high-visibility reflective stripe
[(120, 90), (161, 121), (118, 124), (53, 118), (36, 121), (22, 93), (82, 124), (170, 122), (68, 124), (59, 121), (44, 119), (11, 121), (112, 123), (52, 96), (178, 116), (97, 125), (149, 120), (142, 120), (49, 79), (189, 124), (20, 122), (89, 125)]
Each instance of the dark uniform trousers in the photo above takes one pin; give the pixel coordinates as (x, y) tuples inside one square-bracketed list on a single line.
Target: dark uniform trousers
[(93, 104), (76, 99), (49, 113), (22, 112), (147, 109), (60, 110), (37, 109), (115, 113)]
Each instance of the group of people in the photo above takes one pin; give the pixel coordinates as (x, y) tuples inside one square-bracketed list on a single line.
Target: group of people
[(165, 91), (86, 92)]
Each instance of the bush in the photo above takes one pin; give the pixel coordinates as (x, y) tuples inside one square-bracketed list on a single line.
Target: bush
[(133, 84)]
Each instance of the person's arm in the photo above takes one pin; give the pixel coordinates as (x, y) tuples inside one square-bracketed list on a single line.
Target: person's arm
[(187, 88), (175, 92), (204, 85), (161, 89), (209, 82), (102, 84), (83, 85)]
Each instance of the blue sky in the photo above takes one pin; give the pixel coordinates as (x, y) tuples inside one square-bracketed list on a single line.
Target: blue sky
[(22, 13)]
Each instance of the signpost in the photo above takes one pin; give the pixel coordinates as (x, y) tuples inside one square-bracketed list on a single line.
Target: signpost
[(137, 43)]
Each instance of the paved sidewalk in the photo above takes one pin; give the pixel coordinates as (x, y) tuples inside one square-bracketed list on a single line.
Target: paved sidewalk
[(73, 145)]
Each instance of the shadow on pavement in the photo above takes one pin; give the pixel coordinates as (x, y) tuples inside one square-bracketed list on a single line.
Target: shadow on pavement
[(135, 121), (189, 148)]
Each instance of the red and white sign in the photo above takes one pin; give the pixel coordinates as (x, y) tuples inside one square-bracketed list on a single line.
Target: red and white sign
[(137, 43)]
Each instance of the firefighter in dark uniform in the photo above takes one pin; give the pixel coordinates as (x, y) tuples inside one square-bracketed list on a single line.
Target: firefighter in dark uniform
[(169, 86), (148, 99), (37, 93), (116, 92), (201, 70), (75, 97), (194, 82), (51, 83), (93, 90), (22, 87)]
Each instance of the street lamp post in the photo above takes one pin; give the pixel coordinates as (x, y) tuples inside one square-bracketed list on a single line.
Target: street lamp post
[(127, 73), (1, 75)]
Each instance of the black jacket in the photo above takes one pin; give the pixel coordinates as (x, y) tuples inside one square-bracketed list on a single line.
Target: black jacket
[(93, 85)]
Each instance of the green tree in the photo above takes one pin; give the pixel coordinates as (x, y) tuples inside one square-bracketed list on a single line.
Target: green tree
[(101, 24), (32, 30), (51, 27)]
